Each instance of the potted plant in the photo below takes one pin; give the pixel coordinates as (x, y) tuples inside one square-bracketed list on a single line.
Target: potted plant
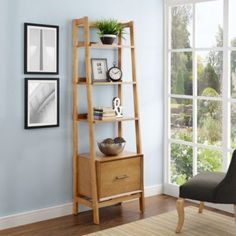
[(109, 30)]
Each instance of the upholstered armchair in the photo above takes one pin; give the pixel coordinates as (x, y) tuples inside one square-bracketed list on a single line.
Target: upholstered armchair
[(213, 187)]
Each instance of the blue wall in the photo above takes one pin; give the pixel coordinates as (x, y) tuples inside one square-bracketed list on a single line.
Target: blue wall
[(36, 165)]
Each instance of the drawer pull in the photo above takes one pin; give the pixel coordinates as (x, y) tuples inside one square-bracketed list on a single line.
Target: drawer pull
[(121, 177)]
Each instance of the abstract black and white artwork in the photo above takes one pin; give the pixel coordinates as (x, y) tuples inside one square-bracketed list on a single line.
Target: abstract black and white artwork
[(41, 103), (41, 49)]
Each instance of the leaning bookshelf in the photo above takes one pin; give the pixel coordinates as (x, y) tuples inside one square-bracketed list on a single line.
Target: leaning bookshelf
[(100, 181)]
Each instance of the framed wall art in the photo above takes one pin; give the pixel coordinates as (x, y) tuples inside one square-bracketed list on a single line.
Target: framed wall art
[(41, 55), (99, 69), (41, 102)]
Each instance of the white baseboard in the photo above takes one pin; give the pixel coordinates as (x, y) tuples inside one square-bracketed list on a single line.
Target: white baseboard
[(54, 212), (153, 190), (35, 216)]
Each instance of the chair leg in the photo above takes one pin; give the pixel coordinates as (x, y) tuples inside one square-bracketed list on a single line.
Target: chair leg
[(235, 212), (180, 211), (201, 207)]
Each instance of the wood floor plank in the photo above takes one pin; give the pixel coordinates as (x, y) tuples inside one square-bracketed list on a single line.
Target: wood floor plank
[(109, 217)]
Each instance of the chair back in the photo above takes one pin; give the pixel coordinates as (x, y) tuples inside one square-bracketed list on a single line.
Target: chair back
[(226, 190), (231, 173)]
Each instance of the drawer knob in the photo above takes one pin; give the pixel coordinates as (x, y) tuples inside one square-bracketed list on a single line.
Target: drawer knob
[(121, 177)]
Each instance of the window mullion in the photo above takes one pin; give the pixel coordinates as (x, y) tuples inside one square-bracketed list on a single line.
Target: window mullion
[(194, 97), (226, 87), (167, 59)]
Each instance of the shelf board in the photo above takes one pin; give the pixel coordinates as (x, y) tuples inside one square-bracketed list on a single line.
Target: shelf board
[(114, 198), (83, 118), (105, 83), (116, 120), (111, 200), (102, 158), (93, 25), (104, 46), (96, 45)]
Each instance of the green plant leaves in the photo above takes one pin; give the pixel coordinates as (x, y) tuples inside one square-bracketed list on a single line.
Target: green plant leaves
[(109, 26)]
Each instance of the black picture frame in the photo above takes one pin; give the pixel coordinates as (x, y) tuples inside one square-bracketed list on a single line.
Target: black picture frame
[(39, 33), (40, 95)]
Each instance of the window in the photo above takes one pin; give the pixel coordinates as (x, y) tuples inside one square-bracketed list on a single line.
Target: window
[(201, 87)]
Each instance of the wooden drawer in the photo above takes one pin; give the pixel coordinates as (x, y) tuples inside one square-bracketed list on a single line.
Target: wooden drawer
[(118, 176)]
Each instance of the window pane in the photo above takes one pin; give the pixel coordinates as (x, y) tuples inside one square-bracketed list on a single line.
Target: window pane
[(209, 24), (181, 163), (232, 20), (181, 73), (209, 121), (181, 119), (209, 160), (233, 125), (233, 74), (181, 26), (209, 73)]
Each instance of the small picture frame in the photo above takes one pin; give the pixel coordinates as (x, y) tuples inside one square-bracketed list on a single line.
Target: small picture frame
[(41, 53), (99, 69), (41, 103)]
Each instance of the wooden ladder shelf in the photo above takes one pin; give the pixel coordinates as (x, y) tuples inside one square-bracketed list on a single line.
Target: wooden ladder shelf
[(99, 181)]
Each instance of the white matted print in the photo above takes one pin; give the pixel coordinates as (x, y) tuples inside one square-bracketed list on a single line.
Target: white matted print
[(41, 103), (41, 49), (99, 69)]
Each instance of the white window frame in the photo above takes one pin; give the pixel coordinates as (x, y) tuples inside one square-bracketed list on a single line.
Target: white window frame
[(226, 100)]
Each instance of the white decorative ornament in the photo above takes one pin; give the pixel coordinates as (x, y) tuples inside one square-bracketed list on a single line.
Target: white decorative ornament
[(117, 107)]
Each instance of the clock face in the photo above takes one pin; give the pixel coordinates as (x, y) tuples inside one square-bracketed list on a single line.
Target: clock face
[(115, 74)]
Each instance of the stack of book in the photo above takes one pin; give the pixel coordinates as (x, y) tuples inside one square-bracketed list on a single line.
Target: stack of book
[(104, 113)]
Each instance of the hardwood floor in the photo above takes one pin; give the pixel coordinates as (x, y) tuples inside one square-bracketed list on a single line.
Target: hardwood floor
[(110, 217)]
